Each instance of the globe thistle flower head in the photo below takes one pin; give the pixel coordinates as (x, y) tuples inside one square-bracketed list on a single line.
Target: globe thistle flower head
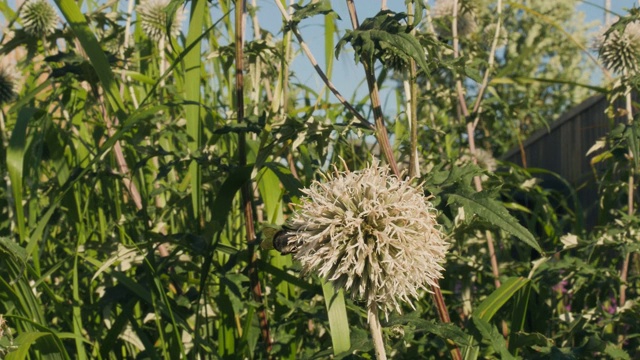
[(443, 14), (619, 50), (488, 34), (8, 83), (371, 234), (39, 18), (154, 19)]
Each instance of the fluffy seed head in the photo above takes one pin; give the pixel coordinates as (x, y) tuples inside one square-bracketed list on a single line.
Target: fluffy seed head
[(154, 21), (39, 18), (443, 14), (620, 49), (371, 234)]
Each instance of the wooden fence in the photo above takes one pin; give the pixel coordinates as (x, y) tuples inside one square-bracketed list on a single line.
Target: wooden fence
[(562, 148)]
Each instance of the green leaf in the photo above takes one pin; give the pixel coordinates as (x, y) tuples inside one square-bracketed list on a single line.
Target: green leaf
[(338, 320), (495, 213), (12, 249), (312, 9), (519, 315), (447, 331), (485, 312), (616, 353), (290, 183), (490, 333), (499, 297), (15, 163), (26, 341), (384, 35), (512, 80), (520, 340), (192, 63), (224, 199)]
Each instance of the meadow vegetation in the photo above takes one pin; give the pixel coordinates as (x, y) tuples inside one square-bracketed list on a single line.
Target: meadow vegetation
[(146, 146)]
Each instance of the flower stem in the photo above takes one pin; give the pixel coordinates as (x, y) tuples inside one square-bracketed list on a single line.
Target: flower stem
[(376, 332), (625, 265), (247, 197)]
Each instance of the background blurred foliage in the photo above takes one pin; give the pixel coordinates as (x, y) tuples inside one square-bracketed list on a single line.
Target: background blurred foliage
[(122, 233)]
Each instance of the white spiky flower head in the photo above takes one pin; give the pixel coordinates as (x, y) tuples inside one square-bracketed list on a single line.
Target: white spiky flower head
[(371, 234), (153, 19), (443, 13), (484, 159), (8, 83), (39, 18), (619, 50)]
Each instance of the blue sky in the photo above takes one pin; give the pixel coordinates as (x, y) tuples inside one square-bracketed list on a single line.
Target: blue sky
[(348, 76)]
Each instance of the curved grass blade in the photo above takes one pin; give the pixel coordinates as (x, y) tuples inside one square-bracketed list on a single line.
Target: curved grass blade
[(15, 164), (192, 63)]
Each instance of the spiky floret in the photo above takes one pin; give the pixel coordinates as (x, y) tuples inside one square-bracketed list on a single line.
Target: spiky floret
[(154, 19), (619, 49), (39, 18)]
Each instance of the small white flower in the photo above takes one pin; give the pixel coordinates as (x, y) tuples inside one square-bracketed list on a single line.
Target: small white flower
[(569, 241), (39, 18), (153, 19), (371, 234), (620, 49), (529, 184)]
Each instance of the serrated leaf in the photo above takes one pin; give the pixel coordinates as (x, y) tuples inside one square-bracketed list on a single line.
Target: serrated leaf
[(495, 213), (384, 34), (521, 340), (490, 333), (12, 249), (312, 9), (615, 352), (447, 331)]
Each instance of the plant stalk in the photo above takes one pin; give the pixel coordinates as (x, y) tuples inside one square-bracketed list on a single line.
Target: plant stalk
[(323, 76), (624, 272), (247, 197), (376, 332)]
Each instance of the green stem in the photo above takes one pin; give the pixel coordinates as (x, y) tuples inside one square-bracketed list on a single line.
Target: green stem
[(376, 332)]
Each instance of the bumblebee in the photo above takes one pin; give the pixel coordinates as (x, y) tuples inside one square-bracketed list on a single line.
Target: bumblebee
[(278, 238)]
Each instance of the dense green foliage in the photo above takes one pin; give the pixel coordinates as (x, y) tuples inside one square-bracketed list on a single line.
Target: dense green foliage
[(138, 171)]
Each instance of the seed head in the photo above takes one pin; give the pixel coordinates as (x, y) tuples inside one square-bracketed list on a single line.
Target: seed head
[(489, 33), (39, 18), (8, 83), (372, 234), (619, 50), (443, 13), (154, 19)]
